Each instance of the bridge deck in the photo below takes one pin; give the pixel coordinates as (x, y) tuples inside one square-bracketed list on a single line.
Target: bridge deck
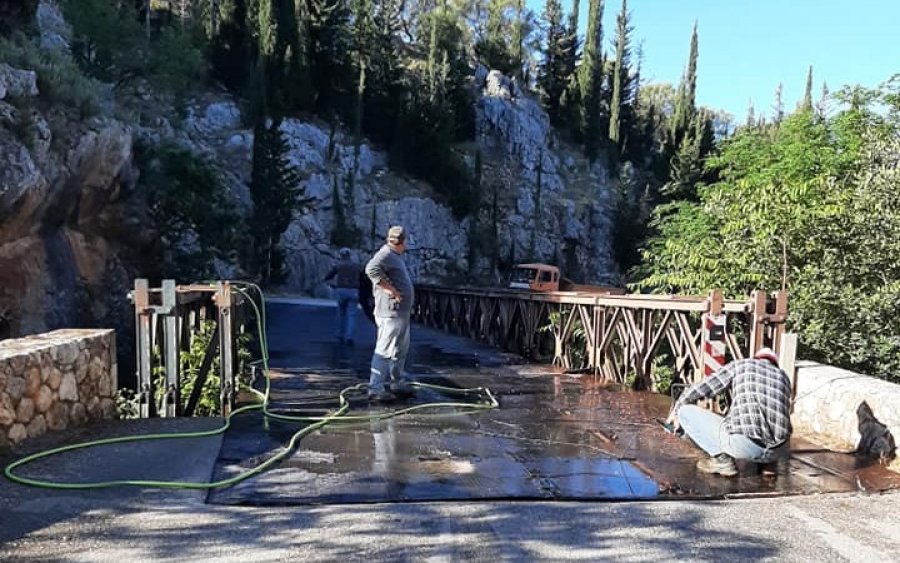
[(554, 437)]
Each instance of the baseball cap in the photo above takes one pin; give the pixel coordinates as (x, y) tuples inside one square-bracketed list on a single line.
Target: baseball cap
[(396, 234)]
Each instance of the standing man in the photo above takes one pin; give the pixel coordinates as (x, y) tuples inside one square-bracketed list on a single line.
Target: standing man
[(757, 422), (347, 273), (393, 290)]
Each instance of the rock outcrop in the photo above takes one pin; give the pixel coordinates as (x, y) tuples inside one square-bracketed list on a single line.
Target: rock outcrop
[(556, 206)]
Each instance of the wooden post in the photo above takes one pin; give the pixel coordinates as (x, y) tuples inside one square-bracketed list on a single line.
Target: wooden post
[(757, 321)]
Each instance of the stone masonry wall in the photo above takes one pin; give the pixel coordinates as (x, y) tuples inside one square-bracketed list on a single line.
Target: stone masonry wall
[(55, 380), (827, 405)]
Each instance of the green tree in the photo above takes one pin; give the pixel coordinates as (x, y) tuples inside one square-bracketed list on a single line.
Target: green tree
[(552, 77), (807, 103), (590, 81), (499, 46), (621, 108), (810, 207), (328, 44), (191, 210), (277, 193), (231, 53)]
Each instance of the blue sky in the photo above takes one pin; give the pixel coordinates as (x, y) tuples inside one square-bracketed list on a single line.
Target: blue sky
[(748, 47)]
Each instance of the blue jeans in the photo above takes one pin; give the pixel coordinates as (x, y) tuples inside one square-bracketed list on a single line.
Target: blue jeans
[(389, 359), (348, 303), (707, 430)]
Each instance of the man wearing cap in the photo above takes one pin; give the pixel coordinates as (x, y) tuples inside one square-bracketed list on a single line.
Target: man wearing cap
[(347, 273), (393, 290), (758, 420)]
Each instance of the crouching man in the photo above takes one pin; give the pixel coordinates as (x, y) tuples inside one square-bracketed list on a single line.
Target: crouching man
[(758, 420)]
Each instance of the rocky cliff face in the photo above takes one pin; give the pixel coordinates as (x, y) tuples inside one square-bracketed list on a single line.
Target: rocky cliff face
[(67, 218), (555, 207), (72, 224)]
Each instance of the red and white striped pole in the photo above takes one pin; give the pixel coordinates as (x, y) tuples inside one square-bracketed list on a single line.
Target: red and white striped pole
[(713, 337), (714, 343)]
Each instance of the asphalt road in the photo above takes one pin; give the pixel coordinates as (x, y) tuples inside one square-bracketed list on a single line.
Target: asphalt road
[(128, 524)]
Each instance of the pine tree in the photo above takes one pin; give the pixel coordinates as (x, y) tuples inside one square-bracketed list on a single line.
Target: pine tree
[(590, 81), (620, 118), (552, 78)]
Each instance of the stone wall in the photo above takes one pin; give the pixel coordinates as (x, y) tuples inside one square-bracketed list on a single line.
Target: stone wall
[(55, 380), (829, 401)]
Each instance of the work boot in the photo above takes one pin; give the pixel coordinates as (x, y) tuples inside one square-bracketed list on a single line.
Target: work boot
[(382, 398), (722, 464), (402, 389)]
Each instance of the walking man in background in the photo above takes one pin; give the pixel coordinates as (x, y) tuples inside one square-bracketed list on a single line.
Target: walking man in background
[(347, 273), (393, 290), (758, 420)]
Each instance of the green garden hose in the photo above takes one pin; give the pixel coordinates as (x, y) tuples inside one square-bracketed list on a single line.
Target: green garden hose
[(339, 415)]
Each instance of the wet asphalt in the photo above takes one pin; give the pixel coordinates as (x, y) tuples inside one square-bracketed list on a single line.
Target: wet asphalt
[(527, 481)]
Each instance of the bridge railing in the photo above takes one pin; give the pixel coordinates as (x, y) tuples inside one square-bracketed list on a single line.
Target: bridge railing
[(616, 336), (168, 320)]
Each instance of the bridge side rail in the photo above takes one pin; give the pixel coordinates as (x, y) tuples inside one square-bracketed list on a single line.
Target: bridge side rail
[(168, 319), (616, 336)]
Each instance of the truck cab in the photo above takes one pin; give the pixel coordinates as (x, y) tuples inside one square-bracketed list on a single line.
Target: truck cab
[(535, 277)]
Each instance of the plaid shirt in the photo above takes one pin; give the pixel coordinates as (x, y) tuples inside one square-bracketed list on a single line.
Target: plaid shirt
[(760, 399)]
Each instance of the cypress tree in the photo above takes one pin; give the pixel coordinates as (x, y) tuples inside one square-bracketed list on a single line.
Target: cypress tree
[(275, 189), (231, 49), (620, 107), (569, 99), (328, 44), (517, 55), (590, 81), (778, 108), (685, 103), (571, 43), (807, 103), (552, 77)]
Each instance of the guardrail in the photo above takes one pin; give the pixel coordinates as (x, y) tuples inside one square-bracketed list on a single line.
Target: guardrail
[(617, 336), (167, 320)]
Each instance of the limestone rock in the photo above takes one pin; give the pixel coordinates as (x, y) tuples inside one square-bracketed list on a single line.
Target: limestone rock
[(104, 386), (15, 387), (16, 82), (25, 410), (57, 417), (107, 408), (7, 416), (37, 426), (44, 399), (34, 381), (68, 389), (54, 378), (17, 433), (22, 186), (55, 32), (78, 415)]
